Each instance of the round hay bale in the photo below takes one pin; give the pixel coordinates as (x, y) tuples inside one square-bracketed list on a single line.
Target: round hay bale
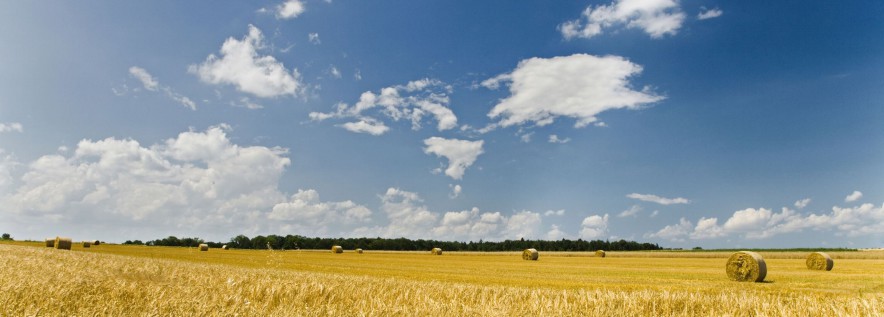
[(337, 249), (746, 266), (600, 253), (530, 255), (87, 244), (436, 251), (50, 242), (63, 243), (359, 251), (819, 261), (96, 242), (224, 247), (204, 247)]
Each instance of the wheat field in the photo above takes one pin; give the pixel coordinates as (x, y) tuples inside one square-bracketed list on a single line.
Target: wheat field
[(116, 280)]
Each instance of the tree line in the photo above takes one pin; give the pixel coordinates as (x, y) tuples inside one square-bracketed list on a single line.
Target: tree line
[(294, 242)]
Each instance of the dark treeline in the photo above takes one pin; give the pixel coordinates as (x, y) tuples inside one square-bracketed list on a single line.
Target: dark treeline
[(292, 242)]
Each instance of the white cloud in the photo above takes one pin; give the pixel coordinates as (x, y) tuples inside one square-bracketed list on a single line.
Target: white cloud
[(856, 195), (152, 84), (707, 228), (367, 125), (800, 204), (555, 233), (709, 13), (658, 199), (594, 227), (357, 75), (655, 213), (559, 212), (631, 212), (309, 216), (247, 103), (677, 232), (290, 9), (196, 182), (555, 139), (241, 66), (407, 218), (334, 72), (469, 224), (523, 224), (146, 79), (313, 38), (461, 154), (579, 86), (455, 191), (412, 101), (526, 138), (11, 127), (655, 17)]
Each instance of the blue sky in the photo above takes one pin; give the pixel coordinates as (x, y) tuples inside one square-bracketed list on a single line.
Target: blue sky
[(683, 123)]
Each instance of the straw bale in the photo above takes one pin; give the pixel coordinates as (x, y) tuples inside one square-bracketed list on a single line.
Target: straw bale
[(337, 249), (530, 254), (746, 266), (819, 261), (224, 247), (204, 247), (359, 251), (63, 243), (50, 242), (436, 251), (87, 244), (600, 253)]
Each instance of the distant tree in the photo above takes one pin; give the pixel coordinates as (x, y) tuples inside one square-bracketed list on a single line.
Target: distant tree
[(6, 236), (698, 248)]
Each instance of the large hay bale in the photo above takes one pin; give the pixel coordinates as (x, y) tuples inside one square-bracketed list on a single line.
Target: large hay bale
[(359, 251), (224, 247), (87, 244), (63, 243), (50, 242), (204, 247), (819, 261), (436, 251), (530, 254), (337, 249), (600, 253), (746, 266)]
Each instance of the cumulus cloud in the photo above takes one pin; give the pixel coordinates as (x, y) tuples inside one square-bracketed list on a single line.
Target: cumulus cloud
[(461, 154), (709, 13), (655, 17), (412, 101), (195, 182), (241, 65), (523, 224), (334, 72), (11, 127), (366, 125), (658, 199), (856, 195), (455, 191), (290, 9), (762, 223), (469, 224), (559, 212), (307, 215), (800, 204), (579, 86), (555, 233), (594, 227), (152, 84)]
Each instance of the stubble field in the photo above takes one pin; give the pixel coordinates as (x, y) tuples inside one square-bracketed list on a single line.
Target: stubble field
[(116, 280)]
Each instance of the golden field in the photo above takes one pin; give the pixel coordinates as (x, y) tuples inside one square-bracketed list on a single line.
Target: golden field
[(116, 280)]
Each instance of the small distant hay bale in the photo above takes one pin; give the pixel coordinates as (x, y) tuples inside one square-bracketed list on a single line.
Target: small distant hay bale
[(819, 261), (337, 249), (50, 242), (204, 247), (63, 243), (96, 242), (87, 244), (436, 251), (530, 254), (359, 251), (224, 247), (746, 266), (600, 253)]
